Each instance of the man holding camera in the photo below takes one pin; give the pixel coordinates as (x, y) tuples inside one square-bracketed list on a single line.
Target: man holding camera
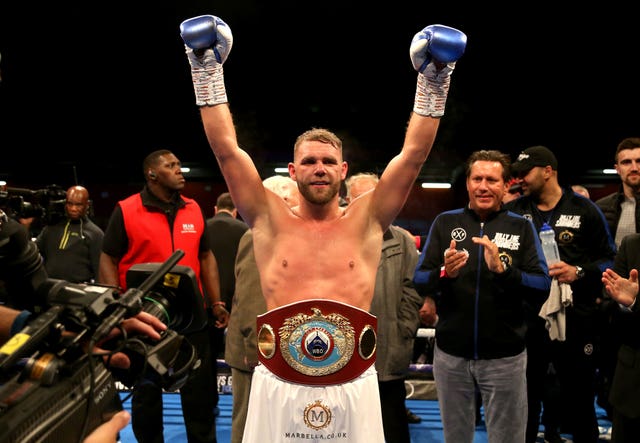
[(19, 257), (12, 321)]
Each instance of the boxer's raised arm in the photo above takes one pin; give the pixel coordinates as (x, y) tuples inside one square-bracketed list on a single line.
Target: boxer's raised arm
[(208, 41), (434, 52)]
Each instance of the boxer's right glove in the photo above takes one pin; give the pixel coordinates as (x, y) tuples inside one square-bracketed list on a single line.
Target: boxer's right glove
[(434, 52), (208, 41)]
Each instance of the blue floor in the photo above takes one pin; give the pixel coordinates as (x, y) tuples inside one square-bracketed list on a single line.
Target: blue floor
[(428, 431)]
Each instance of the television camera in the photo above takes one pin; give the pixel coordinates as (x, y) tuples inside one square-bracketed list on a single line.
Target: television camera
[(53, 389), (47, 204)]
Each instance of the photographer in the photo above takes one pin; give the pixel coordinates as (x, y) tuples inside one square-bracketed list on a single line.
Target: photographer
[(12, 321), (67, 343), (21, 270)]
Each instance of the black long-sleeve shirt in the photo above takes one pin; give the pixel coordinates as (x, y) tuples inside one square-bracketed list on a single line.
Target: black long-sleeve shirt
[(481, 313), (583, 239)]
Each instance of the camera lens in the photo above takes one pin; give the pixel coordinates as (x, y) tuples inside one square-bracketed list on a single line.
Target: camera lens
[(158, 306), (165, 305)]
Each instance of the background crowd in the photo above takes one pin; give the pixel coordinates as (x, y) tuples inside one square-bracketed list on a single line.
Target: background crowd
[(563, 377)]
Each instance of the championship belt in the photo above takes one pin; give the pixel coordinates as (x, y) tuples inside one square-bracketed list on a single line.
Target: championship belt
[(317, 342)]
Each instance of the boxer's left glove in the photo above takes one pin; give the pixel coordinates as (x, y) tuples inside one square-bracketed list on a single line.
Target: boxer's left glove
[(208, 41), (434, 52)]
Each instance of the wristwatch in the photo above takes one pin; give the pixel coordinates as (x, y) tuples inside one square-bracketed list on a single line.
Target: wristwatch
[(579, 272)]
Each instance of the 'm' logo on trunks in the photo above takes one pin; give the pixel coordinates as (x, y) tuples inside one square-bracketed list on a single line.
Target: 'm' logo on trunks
[(317, 415)]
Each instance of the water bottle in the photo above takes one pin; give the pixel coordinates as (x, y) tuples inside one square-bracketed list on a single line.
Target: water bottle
[(549, 245)]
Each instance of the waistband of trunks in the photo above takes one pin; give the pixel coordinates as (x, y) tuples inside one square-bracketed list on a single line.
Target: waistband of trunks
[(317, 342)]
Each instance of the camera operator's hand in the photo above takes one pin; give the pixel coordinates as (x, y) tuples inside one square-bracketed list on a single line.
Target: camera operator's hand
[(7, 317), (221, 315), (143, 323), (108, 431)]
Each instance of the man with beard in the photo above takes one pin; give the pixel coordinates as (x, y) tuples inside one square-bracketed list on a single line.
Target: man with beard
[(586, 250), (317, 261), (622, 211), (621, 208)]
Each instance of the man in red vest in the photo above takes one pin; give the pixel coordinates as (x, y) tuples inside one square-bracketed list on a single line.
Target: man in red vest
[(148, 227)]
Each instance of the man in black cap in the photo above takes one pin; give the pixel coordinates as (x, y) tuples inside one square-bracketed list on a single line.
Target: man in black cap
[(532, 157), (586, 250)]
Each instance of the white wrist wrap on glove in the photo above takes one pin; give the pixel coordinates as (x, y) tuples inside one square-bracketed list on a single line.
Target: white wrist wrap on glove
[(432, 90), (208, 78)]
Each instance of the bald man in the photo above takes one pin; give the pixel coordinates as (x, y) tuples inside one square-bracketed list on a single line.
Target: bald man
[(71, 247)]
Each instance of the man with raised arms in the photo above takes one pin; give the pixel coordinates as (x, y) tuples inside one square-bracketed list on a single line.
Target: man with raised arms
[(317, 261)]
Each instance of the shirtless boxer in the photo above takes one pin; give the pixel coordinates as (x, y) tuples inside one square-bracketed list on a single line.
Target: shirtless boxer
[(318, 261)]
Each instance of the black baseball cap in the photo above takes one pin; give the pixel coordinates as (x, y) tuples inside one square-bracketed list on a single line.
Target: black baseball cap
[(534, 156)]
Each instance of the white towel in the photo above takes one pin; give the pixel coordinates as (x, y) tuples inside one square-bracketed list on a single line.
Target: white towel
[(553, 310)]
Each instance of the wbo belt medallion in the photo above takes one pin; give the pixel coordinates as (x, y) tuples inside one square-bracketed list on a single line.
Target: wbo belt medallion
[(317, 344), (324, 342)]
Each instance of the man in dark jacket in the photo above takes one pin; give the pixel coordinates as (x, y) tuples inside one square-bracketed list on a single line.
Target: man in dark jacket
[(224, 231), (621, 284), (621, 208), (484, 263), (586, 250), (71, 247), (622, 211)]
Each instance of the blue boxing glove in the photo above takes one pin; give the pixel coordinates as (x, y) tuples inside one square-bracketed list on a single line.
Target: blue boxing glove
[(208, 41), (434, 52)]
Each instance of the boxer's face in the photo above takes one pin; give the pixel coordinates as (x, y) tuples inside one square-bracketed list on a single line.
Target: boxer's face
[(318, 169)]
